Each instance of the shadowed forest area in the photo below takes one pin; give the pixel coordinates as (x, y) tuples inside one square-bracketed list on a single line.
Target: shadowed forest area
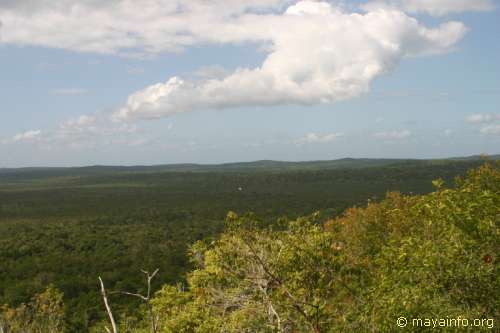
[(263, 247)]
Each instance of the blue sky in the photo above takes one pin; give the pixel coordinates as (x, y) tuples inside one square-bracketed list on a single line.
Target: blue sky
[(72, 96)]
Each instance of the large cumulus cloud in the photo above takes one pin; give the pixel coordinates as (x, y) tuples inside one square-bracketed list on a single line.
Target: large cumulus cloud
[(318, 54)]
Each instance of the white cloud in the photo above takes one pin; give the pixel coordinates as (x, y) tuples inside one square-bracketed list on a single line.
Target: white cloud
[(27, 136), (81, 124), (432, 7), (90, 127), (320, 138), (68, 91), (319, 54), (490, 122), (491, 130), (128, 27), (479, 118), (393, 135), (84, 120), (81, 132)]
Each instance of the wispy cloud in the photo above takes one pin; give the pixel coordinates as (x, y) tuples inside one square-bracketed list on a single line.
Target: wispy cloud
[(80, 132), (490, 129), (320, 138), (27, 136), (489, 122), (482, 118), (393, 135)]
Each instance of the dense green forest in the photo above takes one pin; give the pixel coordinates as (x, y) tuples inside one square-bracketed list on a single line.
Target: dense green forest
[(419, 251)]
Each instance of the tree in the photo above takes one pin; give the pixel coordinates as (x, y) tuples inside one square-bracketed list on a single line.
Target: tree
[(44, 314), (428, 256)]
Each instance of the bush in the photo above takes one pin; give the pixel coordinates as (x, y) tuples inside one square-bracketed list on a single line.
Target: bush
[(430, 256)]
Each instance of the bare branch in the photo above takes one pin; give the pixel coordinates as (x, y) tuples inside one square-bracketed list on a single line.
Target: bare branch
[(108, 308), (130, 294), (296, 304), (154, 273), (146, 299)]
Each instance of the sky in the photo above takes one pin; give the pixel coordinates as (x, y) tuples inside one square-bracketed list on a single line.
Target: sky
[(125, 82)]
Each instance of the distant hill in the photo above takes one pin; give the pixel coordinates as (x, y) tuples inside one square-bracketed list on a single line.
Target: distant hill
[(67, 226), (29, 174)]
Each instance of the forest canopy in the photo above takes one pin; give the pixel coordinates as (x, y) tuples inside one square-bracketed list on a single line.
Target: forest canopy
[(414, 256)]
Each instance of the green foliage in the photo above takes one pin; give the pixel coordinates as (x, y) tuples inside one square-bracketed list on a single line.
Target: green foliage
[(65, 228), (44, 314), (71, 254), (442, 261), (430, 256)]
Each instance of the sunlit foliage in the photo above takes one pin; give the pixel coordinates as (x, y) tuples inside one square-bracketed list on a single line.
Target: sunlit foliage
[(415, 256), (431, 255), (44, 314)]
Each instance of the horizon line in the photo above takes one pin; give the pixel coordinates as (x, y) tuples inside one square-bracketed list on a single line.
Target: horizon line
[(475, 156)]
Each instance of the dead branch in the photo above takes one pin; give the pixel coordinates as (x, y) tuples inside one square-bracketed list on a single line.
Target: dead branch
[(146, 299), (108, 308)]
